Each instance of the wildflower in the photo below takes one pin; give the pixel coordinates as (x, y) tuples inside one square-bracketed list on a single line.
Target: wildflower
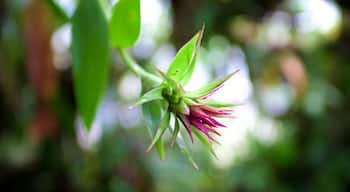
[(193, 109)]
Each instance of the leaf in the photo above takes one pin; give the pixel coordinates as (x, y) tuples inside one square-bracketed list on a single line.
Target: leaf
[(184, 150), (90, 57), (152, 114), (124, 26), (182, 66), (190, 69), (176, 131), (161, 129), (180, 142), (204, 140), (151, 95), (60, 15), (209, 88), (217, 104), (172, 83)]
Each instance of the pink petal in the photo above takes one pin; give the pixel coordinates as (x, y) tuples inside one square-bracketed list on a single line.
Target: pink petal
[(203, 129)]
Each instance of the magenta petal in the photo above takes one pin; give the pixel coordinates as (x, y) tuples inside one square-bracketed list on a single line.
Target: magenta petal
[(214, 131), (215, 123), (207, 119), (201, 127)]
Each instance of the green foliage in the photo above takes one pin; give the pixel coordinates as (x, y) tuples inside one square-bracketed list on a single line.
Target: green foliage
[(154, 94), (182, 66), (163, 125), (124, 26), (152, 113), (209, 87), (218, 104), (204, 140), (185, 151), (90, 55), (58, 12)]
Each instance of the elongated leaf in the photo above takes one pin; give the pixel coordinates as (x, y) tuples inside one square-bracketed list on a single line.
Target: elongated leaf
[(124, 26), (180, 142), (152, 114), (217, 104), (209, 87), (90, 54), (168, 79), (161, 129), (151, 95), (185, 151), (176, 131), (60, 15), (182, 66), (192, 65), (204, 140)]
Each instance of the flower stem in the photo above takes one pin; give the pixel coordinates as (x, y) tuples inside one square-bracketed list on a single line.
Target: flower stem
[(134, 67)]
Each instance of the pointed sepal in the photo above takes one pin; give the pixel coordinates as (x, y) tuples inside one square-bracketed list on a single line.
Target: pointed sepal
[(160, 131), (209, 89)]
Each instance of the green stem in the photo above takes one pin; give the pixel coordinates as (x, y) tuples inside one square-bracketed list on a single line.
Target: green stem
[(139, 71)]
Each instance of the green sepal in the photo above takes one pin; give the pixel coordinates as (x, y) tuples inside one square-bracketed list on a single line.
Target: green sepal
[(204, 140), (185, 151), (182, 107), (176, 131), (161, 129), (152, 113), (154, 94), (183, 64), (217, 104), (168, 80), (206, 89), (192, 65), (190, 101)]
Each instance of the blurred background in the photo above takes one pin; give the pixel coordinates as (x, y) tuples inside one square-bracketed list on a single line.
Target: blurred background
[(292, 128)]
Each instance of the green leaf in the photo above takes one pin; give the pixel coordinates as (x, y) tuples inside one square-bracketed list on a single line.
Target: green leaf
[(171, 82), (190, 69), (217, 104), (90, 56), (182, 66), (60, 15), (185, 151), (208, 88), (161, 129), (152, 113), (124, 26), (204, 140), (176, 131), (151, 95), (180, 142)]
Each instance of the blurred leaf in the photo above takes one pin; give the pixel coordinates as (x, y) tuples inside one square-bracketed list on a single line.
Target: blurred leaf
[(167, 78), (151, 95), (90, 55), (124, 26), (184, 150), (152, 114), (176, 131), (58, 12), (161, 129), (209, 87), (217, 103), (204, 140), (182, 66)]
